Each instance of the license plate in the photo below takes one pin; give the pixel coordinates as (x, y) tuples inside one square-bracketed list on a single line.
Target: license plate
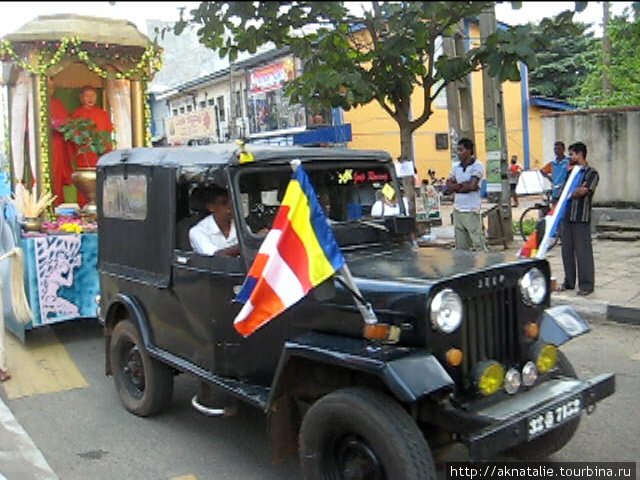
[(553, 416)]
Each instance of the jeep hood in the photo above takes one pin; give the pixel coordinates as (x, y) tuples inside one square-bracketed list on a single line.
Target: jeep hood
[(420, 265)]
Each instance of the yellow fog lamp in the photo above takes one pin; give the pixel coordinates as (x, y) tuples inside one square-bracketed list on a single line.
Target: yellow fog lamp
[(490, 377), (546, 357)]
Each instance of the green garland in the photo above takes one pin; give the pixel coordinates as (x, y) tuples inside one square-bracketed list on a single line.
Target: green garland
[(149, 63), (147, 116)]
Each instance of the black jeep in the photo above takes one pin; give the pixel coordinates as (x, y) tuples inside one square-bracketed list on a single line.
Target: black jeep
[(464, 347)]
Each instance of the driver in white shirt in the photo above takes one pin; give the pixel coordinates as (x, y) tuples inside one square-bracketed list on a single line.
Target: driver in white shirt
[(216, 233)]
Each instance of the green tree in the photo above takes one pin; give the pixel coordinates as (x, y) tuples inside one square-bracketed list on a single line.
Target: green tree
[(565, 63), (382, 54), (623, 69)]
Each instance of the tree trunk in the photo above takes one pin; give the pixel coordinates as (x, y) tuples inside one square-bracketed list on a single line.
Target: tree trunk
[(406, 155)]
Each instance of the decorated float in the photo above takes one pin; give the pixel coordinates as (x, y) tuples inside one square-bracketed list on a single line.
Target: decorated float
[(52, 61)]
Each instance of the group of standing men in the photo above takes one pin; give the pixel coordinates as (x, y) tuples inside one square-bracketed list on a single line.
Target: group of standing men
[(577, 250), (62, 151)]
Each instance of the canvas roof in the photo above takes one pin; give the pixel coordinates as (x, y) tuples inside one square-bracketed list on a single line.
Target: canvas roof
[(87, 29)]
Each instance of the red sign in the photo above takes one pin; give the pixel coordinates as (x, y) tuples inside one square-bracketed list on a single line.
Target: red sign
[(272, 76)]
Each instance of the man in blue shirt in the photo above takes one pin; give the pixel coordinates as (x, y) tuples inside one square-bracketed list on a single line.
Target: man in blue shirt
[(557, 170)]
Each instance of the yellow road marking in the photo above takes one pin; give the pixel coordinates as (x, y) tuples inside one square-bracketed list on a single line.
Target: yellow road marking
[(43, 365)]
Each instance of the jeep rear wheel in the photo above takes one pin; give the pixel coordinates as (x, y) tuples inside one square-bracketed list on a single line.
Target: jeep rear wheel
[(358, 434), (144, 385), (543, 446)]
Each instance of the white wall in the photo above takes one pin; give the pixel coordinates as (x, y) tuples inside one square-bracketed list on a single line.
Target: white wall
[(611, 137)]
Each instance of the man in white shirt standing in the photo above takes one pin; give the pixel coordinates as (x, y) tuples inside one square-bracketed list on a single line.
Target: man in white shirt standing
[(216, 233), (464, 181)]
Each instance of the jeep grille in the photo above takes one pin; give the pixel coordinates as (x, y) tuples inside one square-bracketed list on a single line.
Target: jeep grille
[(490, 328)]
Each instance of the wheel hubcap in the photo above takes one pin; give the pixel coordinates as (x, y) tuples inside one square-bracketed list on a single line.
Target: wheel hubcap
[(133, 370), (355, 460)]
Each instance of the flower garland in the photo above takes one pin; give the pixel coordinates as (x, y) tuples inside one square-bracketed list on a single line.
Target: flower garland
[(149, 63), (147, 116)]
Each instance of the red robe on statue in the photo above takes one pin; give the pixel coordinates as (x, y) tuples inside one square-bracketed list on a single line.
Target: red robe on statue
[(103, 124), (61, 151)]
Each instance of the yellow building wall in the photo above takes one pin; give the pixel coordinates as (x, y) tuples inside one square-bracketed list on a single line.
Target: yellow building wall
[(373, 128)]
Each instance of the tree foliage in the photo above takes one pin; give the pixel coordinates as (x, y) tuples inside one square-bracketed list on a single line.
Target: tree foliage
[(564, 65), (383, 54), (624, 68)]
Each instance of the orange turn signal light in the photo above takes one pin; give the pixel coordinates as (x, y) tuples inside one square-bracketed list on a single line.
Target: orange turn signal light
[(531, 330), (382, 331), (454, 357)]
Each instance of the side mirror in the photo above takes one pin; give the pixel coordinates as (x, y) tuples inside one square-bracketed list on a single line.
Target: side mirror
[(401, 225)]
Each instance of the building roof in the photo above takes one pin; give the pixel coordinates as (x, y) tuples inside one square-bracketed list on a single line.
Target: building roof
[(87, 29), (550, 103)]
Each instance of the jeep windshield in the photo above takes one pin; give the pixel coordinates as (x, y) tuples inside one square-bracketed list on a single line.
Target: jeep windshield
[(356, 199)]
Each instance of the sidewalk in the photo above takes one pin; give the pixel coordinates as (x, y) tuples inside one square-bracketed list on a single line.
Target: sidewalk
[(617, 293)]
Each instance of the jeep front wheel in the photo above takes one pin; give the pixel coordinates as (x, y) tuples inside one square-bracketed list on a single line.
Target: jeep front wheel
[(358, 434), (144, 385)]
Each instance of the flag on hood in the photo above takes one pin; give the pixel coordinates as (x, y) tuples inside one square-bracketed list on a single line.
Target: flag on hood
[(298, 253)]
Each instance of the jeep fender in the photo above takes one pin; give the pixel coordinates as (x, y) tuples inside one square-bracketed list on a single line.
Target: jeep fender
[(409, 373), (560, 324), (135, 314)]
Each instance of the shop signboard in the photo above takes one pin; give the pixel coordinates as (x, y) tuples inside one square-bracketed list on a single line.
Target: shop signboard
[(272, 76), (193, 125)]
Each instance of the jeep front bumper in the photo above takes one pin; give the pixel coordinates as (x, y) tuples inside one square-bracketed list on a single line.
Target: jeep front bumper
[(535, 412)]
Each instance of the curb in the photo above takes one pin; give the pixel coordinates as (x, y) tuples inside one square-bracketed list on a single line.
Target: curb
[(598, 310)]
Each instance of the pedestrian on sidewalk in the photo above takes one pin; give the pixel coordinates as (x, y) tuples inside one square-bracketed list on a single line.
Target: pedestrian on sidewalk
[(464, 182), (577, 249), (557, 170), (514, 175)]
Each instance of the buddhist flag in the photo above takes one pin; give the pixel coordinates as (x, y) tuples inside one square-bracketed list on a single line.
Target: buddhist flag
[(298, 253), (537, 244)]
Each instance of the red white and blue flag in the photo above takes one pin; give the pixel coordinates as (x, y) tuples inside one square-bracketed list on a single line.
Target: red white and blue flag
[(298, 253)]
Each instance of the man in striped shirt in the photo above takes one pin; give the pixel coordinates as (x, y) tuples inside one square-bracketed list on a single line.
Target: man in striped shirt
[(576, 227)]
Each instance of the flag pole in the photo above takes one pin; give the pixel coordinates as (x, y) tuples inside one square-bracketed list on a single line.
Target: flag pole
[(364, 307)]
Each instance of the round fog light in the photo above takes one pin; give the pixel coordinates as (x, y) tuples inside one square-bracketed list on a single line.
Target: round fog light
[(512, 381), (490, 377), (547, 358), (529, 374)]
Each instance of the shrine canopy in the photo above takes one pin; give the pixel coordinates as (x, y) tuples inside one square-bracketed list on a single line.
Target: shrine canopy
[(46, 44)]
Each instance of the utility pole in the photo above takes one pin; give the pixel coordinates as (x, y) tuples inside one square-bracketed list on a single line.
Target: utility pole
[(231, 117), (459, 99), (495, 138)]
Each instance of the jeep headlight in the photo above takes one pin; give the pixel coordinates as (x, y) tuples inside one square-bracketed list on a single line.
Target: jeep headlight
[(446, 311), (533, 287)]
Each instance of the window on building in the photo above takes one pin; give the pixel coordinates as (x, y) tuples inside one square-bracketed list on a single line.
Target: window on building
[(442, 141), (221, 108), (181, 109), (175, 112), (189, 108), (271, 111), (211, 102), (203, 104)]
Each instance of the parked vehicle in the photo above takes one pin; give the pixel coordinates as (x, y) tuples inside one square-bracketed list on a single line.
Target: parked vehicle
[(465, 348)]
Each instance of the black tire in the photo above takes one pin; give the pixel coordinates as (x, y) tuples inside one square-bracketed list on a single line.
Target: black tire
[(543, 446), (144, 385), (358, 434)]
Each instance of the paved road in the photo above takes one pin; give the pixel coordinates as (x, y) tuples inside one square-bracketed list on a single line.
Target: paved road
[(84, 433)]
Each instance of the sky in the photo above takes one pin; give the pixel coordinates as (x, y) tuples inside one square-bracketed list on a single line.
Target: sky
[(15, 14)]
